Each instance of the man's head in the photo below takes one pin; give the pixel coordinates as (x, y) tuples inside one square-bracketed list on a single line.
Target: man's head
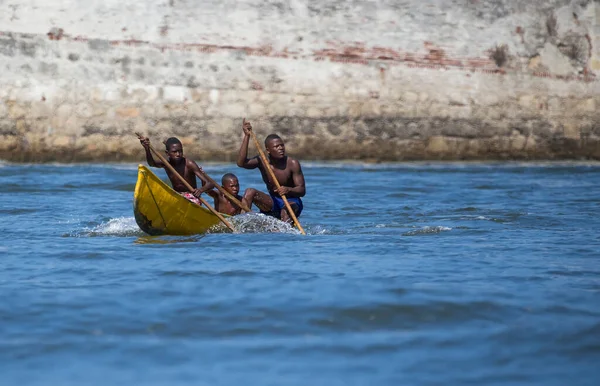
[(275, 146), (174, 149), (230, 183)]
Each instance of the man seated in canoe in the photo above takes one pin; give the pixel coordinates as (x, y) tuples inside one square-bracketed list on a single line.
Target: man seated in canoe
[(184, 166), (223, 204), (287, 171)]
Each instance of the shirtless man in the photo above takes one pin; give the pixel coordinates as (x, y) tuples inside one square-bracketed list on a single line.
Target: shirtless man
[(287, 171), (222, 204), (185, 167)]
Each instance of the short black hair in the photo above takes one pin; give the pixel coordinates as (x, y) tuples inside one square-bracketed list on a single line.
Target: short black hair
[(227, 176), (270, 137), (172, 141)]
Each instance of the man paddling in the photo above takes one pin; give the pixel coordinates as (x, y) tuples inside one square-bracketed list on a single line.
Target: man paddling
[(185, 167), (287, 171)]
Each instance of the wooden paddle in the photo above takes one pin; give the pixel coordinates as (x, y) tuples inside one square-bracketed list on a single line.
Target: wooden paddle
[(274, 181), (230, 196), (187, 185)]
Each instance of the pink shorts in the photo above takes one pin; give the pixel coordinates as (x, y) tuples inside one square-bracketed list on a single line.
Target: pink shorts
[(191, 198)]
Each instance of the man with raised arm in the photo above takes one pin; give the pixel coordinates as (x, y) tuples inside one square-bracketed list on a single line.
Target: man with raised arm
[(287, 171)]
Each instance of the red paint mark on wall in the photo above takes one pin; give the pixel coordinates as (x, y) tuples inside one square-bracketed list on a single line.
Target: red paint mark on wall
[(434, 57), (55, 34)]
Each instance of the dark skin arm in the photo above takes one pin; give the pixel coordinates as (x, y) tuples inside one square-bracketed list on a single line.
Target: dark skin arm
[(151, 162), (215, 195), (299, 188), (243, 160), (206, 185)]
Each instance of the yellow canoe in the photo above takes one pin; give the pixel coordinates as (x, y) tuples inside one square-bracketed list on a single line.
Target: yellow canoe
[(159, 210)]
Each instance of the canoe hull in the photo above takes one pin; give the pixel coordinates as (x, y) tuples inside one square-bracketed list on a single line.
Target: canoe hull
[(159, 210)]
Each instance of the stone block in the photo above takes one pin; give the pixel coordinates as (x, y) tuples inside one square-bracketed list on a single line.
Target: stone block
[(62, 114), (112, 94), (72, 126), (518, 142), (155, 110), (222, 126), (278, 109), (355, 109), (141, 94), (314, 112), (40, 110), (370, 108), (437, 145), (175, 93), (97, 94), (3, 110), (199, 95), (213, 96), (62, 141), (127, 112), (460, 112), (555, 61), (84, 110), (16, 109), (331, 112), (196, 110), (266, 97), (410, 97), (9, 142), (77, 92), (571, 130), (587, 105), (528, 102), (256, 109), (531, 143)]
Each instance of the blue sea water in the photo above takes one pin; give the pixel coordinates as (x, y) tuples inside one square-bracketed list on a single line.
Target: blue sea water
[(411, 274)]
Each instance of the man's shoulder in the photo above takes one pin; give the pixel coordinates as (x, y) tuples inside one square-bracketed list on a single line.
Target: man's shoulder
[(292, 162), (190, 162)]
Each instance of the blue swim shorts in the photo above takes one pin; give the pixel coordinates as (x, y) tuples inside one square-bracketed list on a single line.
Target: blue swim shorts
[(278, 205)]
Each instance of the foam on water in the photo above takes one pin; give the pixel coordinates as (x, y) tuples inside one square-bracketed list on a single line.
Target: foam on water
[(120, 226), (244, 223), (256, 223), (427, 231)]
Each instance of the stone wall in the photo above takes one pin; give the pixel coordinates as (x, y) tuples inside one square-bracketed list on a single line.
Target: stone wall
[(376, 80)]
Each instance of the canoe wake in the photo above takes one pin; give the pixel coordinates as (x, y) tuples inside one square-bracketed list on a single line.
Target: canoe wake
[(244, 223), (255, 223)]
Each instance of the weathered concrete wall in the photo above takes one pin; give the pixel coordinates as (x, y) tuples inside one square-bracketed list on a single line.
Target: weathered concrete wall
[(379, 79)]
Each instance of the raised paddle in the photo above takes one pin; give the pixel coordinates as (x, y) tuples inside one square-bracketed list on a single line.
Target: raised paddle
[(274, 180), (187, 185), (230, 196)]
